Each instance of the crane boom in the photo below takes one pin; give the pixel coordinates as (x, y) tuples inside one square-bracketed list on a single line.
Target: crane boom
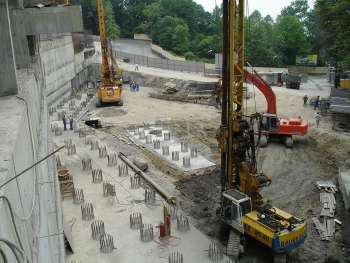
[(105, 67), (110, 89)]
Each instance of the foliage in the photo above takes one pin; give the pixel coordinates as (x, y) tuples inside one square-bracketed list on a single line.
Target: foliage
[(289, 39), (333, 18), (90, 18), (259, 44), (185, 28)]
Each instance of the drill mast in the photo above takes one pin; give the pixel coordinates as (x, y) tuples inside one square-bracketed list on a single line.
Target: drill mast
[(105, 67)]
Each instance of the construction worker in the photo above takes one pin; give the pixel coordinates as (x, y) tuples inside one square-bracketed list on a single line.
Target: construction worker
[(64, 119), (305, 99), (317, 103), (71, 122), (317, 118)]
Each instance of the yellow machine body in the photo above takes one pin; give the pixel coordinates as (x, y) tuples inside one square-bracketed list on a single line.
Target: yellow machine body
[(280, 240), (109, 90), (109, 93), (243, 208)]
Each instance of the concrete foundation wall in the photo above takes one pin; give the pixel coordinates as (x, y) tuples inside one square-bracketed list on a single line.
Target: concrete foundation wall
[(35, 196), (57, 57), (7, 63), (48, 20)]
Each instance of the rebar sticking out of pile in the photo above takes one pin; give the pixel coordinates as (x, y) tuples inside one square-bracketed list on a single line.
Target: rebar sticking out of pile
[(149, 139), (102, 152), (68, 142), (112, 159), (58, 162), (78, 196), (71, 149), (176, 257), (165, 150), (97, 229), (87, 211), (135, 221), (96, 176), (123, 170), (146, 233), (71, 105), (175, 156), (186, 161), (156, 144), (53, 126), (106, 243), (108, 189), (150, 196), (94, 145), (167, 136), (215, 252), (52, 110), (88, 140), (58, 131), (135, 181), (82, 133), (172, 210), (194, 152), (184, 147), (86, 164), (182, 223)]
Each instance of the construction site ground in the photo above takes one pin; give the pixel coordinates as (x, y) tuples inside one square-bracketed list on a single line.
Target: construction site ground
[(317, 156)]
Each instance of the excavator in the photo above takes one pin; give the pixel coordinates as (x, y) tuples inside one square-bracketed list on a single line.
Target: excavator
[(109, 90), (243, 208), (271, 126)]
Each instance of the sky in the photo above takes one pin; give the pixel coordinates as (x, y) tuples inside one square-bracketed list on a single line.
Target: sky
[(265, 7)]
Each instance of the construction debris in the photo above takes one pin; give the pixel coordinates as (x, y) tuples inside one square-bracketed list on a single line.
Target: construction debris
[(326, 224), (328, 204), (326, 229), (327, 186)]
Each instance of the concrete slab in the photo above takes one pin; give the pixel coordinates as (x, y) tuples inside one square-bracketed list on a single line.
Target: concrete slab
[(115, 214), (172, 145), (192, 244)]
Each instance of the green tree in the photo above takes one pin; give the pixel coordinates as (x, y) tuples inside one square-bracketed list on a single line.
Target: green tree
[(181, 38), (334, 22), (298, 8), (290, 39), (172, 33), (259, 40)]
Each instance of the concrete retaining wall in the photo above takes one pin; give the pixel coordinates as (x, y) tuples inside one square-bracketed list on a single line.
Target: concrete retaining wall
[(57, 56), (35, 196)]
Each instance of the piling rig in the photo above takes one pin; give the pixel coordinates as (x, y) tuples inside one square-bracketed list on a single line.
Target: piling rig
[(109, 90), (242, 206)]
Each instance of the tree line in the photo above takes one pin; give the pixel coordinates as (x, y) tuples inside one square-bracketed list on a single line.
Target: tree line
[(185, 28)]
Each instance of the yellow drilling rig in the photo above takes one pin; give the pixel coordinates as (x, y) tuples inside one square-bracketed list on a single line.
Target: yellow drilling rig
[(242, 206), (109, 90)]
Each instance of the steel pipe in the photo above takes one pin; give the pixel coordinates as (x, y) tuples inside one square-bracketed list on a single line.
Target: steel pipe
[(168, 198)]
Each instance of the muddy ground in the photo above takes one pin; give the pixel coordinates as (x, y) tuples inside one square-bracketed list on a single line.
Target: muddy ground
[(293, 171)]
